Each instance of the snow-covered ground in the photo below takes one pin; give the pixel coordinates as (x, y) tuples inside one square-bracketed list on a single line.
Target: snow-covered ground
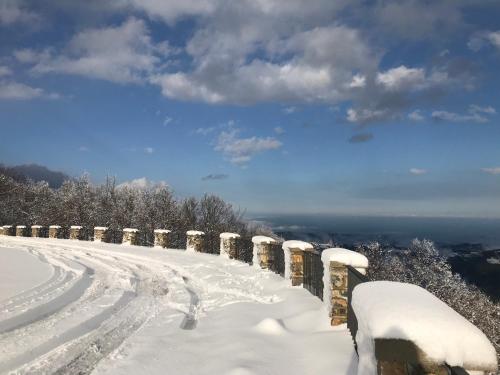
[(82, 307)]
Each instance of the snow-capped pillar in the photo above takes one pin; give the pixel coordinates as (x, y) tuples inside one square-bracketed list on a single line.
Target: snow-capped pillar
[(76, 232), (161, 238), (262, 255), (195, 240), (38, 231), (100, 234), (21, 231), (335, 280), (8, 230), (228, 245), (130, 236), (294, 260), (55, 231)]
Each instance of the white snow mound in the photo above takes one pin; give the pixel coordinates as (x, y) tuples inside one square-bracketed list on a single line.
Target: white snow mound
[(195, 233), (227, 235), (293, 244), (262, 239), (270, 326), (344, 256), (392, 310)]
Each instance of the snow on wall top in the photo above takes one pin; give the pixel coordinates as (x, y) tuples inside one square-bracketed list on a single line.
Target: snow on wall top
[(55, 226), (21, 226), (100, 228), (226, 235), (76, 227), (7, 226), (162, 231), (133, 230), (194, 233), (294, 244), (262, 239), (344, 256), (386, 309), (36, 226)]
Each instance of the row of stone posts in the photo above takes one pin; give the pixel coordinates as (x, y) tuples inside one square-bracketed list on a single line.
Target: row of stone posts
[(335, 261)]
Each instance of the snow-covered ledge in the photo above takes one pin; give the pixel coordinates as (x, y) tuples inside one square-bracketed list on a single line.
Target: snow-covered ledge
[(8, 230), (294, 260), (55, 231), (262, 251), (228, 244), (76, 232), (402, 323), (161, 238), (335, 280), (130, 236), (100, 234), (38, 231), (21, 231), (195, 239)]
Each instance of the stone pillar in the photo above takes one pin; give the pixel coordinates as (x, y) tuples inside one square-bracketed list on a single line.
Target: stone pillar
[(262, 254), (8, 230), (335, 280), (294, 260), (38, 231), (195, 240), (1, 231), (101, 234), (161, 238), (21, 231), (76, 232), (228, 245), (55, 231), (130, 236)]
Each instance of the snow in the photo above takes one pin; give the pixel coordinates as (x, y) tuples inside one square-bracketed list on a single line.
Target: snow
[(7, 226), (195, 233), (262, 239), (131, 230), (227, 235), (76, 227), (55, 226), (21, 226), (293, 244), (386, 309), (36, 226), (344, 256), (100, 228), (108, 309), (162, 231)]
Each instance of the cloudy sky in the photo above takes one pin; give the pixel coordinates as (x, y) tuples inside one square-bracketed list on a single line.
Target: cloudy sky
[(332, 106)]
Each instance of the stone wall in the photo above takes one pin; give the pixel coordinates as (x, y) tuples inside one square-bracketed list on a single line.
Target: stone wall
[(228, 245), (55, 231), (130, 236), (38, 231), (22, 231), (262, 254), (338, 288), (8, 230), (101, 234), (76, 232), (195, 241)]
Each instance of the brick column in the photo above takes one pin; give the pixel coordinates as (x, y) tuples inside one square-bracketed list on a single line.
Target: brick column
[(76, 232), (21, 231), (335, 280), (130, 236), (101, 234), (8, 230), (294, 260), (195, 240), (262, 255), (55, 231), (228, 245), (38, 231), (161, 238)]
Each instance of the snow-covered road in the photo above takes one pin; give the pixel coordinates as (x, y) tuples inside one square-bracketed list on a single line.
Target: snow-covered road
[(75, 307)]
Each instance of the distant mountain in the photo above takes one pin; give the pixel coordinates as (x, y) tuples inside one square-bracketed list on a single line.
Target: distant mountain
[(34, 172)]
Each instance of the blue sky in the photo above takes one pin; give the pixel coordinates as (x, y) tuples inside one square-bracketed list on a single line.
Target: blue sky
[(348, 107)]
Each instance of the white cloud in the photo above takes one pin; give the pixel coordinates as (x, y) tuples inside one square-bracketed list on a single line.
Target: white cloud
[(12, 12), (290, 110), (403, 78), (240, 151), (83, 149), (416, 116), (5, 71), (167, 120), (279, 130), (473, 108), (149, 150), (494, 170), (358, 81), (204, 131), (482, 39), (418, 171), (20, 91), (123, 54), (141, 183), (365, 115), (475, 114)]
